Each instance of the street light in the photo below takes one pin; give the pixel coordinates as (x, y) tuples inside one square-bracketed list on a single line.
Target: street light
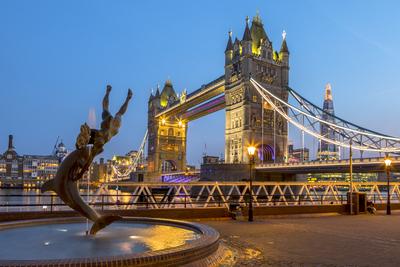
[(251, 150), (388, 162)]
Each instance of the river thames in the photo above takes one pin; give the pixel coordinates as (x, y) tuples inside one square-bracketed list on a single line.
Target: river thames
[(34, 200)]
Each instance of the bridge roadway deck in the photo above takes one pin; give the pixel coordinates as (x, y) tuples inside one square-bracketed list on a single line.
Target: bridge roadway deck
[(335, 166)]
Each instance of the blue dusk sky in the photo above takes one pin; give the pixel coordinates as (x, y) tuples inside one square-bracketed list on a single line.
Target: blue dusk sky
[(56, 58)]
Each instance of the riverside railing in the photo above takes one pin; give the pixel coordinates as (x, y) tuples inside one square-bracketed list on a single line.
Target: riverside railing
[(50, 203), (130, 195)]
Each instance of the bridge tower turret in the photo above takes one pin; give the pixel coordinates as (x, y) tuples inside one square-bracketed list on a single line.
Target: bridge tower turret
[(246, 40), (284, 58), (249, 120), (229, 50)]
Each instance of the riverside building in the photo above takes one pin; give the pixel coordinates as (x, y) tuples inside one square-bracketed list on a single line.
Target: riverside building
[(28, 170)]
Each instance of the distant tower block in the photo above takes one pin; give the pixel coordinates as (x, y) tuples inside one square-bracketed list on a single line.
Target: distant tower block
[(254, 56), (326, 150)]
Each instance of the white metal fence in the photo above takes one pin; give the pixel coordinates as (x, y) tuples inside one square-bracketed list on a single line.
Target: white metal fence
[(130, 195), (222, 194)]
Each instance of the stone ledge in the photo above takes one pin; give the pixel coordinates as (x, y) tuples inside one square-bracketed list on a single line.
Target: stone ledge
[(179, 213)]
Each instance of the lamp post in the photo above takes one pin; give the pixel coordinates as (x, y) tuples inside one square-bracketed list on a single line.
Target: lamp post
[(388, 162), (351, 176), (251, 150)]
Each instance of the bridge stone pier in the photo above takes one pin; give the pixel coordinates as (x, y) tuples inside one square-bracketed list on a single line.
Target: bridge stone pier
[(249, 119)]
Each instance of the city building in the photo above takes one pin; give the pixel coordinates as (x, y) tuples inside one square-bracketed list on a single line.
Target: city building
[(342, 177), (11, 164), (61, 151), (119, 167), (298, 154), (28, 170), (33, 170), (99, 171), (210, 159), (327, 151)]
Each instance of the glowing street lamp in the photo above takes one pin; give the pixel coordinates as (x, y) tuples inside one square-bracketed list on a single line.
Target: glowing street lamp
[(388, 163), (251, 150)]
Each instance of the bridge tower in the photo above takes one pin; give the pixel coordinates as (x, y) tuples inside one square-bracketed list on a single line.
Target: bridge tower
[(250, 120), (166, 136)]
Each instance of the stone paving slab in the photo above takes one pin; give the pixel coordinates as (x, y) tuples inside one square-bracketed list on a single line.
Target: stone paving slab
[(312, 240)]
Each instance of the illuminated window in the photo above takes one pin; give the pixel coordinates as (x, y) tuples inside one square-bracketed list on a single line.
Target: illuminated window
[(254, 98)]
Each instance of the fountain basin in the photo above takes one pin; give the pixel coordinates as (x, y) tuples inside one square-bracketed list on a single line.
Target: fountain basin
[(130, 242)]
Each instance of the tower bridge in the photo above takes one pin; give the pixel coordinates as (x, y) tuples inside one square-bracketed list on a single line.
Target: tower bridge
[(169, 115), (255, 93)]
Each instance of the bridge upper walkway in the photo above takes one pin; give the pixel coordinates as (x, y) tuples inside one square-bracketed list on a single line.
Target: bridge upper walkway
[(201, 95)]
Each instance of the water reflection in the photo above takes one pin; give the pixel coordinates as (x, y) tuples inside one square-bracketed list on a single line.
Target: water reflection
[(162, 237), (16, 198)]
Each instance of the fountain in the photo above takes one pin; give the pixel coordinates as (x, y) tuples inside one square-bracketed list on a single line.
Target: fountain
[(128, 241)]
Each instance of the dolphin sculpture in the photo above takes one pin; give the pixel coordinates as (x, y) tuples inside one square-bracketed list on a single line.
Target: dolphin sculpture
[(65, 185), (75, 165)]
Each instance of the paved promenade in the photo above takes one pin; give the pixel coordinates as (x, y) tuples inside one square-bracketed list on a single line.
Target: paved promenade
[(313, 240)]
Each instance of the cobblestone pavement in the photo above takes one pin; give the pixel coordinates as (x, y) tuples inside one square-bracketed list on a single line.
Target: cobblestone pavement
[(312, 240)]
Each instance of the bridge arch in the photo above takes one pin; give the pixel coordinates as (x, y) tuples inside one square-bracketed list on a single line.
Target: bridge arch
[(168, 166), (266, 153)]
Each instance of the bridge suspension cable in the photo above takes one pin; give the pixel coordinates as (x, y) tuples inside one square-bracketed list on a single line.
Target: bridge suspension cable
[(309, 118), (135, 161)]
